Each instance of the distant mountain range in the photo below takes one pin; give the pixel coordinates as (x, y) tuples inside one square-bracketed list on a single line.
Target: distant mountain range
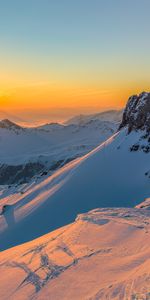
[(25, 152), (110, 115)]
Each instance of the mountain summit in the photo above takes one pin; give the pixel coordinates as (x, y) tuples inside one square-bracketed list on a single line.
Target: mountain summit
[(7, 124), (137, 113), (136, 118)]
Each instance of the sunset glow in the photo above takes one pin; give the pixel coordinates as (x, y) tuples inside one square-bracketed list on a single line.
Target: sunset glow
[(73, 57), (74, 149)]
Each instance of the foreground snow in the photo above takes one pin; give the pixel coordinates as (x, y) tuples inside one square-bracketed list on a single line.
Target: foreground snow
[(109, 176), (104, 254)]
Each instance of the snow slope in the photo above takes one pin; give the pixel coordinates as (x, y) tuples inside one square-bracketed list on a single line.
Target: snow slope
[(103, 255), (46, 147), (110, 176)]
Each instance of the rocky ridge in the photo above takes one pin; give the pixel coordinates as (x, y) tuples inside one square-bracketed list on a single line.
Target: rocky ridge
[(137, 113), (136, 117)]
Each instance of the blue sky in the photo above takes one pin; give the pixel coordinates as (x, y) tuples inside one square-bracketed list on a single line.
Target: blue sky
[(74, 24), (97, 43)]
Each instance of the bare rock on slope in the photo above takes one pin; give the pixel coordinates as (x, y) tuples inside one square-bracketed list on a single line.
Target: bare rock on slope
[(137, 113)]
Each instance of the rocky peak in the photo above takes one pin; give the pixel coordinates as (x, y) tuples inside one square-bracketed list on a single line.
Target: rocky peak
[(137, 113), (7, 124)]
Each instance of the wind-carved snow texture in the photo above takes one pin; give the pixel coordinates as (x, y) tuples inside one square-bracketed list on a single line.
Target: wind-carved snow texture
[(124, 291), (104, 254), (47, 265)]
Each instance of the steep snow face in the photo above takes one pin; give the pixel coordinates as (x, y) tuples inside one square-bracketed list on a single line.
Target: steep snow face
[(109, 176), (137, 113), (104, 254), (25, 152)]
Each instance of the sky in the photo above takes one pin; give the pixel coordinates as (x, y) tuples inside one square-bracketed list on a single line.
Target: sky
[(64, 57)]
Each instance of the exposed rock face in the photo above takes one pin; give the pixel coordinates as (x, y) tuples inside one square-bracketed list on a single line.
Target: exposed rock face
[(136, 117), (137, 113), (7, 124), (11, 174), (19, 174)]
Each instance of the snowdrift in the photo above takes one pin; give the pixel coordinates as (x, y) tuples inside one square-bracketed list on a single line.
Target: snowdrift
[(104, 254)]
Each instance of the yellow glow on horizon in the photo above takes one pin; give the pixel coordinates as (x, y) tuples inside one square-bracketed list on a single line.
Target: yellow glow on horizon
[(52, 95), (53, 85), (20, 91)]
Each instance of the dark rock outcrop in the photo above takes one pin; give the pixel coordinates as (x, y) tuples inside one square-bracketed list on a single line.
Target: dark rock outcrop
[(19, 173), (137, 113), (7, 124)]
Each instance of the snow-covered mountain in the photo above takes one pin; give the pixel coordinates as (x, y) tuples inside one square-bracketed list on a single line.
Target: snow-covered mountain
[(103, 255), (7, 124), (137, 113), (25, 152), (112, 175), (110, 115), (136, 117)]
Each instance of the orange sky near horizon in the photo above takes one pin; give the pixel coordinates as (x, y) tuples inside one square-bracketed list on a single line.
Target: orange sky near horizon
[(61, 58), (66, 95)]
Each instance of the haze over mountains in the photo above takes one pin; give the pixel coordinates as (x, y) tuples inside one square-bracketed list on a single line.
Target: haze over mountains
[(110, 116), (35, 117), (25, 152), (104, 254)]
